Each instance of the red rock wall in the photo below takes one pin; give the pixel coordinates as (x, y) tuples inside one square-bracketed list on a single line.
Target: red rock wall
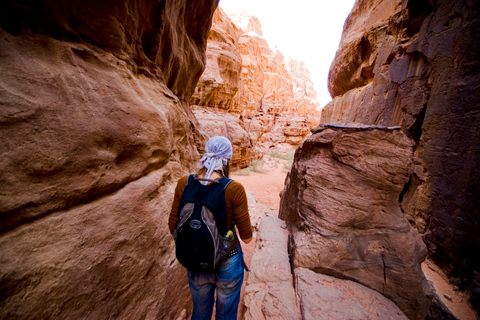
[(415, 64), (96, 131), (340, 204)]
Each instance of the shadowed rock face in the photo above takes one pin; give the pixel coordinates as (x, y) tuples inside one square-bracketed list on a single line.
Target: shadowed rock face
[(164, 39), (96, 131), (415, 64), (341, 206)]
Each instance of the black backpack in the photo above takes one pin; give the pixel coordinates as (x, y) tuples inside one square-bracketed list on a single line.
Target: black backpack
[(201, 231)]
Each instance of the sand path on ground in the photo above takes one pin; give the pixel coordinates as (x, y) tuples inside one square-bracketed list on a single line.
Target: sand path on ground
[(265, 186), (266, 189)]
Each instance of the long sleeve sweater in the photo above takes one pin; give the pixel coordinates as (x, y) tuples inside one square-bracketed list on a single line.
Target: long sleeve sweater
[(237, 208)]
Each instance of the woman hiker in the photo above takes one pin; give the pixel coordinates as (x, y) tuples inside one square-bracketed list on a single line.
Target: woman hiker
[(227, 278)]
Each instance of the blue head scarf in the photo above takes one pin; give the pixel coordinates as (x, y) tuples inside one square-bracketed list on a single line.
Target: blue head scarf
[(218, 151)]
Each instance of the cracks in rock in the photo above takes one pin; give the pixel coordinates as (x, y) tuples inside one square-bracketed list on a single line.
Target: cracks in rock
[(414, 132), (291, 258), (291, 251), (299, 301), (384, 274), (404, 191), (418, 11)]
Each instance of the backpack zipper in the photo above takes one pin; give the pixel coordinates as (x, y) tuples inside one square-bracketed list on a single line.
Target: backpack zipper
[(213, 238)]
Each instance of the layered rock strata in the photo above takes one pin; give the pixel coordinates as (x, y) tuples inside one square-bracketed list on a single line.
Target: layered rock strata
[(341, 207), (95, 132), (275, 102), (415, 64)]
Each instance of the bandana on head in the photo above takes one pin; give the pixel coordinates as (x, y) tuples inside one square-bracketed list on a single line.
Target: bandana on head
[(217, 152)]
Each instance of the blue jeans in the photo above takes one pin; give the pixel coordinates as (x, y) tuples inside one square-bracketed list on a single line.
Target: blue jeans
[(227, 281)]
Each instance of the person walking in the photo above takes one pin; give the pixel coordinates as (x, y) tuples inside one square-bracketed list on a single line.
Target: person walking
[(226, 280)]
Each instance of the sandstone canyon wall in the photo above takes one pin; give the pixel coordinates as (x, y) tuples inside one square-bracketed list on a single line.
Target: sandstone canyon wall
[(95, 131), (249, 93), (415, 64), (341, 206)]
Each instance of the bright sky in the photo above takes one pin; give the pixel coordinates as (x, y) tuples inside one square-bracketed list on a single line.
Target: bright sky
[(305, 30)]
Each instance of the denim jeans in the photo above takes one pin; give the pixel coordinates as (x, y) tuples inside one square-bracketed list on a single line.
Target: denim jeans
[(227, 281)]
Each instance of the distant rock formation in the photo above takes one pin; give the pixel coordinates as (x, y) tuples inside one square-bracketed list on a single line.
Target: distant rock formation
[(95, 131), (341, 207), (275, 101), (415, 64)]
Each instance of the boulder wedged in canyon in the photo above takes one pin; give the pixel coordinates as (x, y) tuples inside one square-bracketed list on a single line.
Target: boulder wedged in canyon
[(96, 131), (341, 206), (415, 64), (275, 101)]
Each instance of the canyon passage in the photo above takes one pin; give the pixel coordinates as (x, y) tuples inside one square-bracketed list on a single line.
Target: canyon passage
[(105, 105)]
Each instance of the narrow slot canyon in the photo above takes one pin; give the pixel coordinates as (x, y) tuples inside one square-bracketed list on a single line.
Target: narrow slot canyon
[(366, 207)]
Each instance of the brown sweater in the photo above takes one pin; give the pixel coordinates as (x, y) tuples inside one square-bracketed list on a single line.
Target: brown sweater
[(237, 207)]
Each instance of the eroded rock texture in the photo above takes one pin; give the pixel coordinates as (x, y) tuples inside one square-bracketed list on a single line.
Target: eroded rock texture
[(341, 206), (95, 132), (415, 64), (275, 101), (325, 297), (276, 291), (228, 125)]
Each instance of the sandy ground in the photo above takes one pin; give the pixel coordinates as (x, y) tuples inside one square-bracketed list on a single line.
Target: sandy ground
[(454, 300), (266, 188)]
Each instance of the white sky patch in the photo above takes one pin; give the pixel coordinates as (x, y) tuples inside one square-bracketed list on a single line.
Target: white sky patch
[(305, 30)]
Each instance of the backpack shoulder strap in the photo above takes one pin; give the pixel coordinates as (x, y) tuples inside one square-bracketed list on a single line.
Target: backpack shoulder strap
[(196, 177), (191, 178), (224, 182)]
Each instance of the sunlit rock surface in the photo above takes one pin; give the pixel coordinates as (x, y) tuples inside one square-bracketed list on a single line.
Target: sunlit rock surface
[(275, 100), (221, 78), (341, 207), (95, 132), (415, 64), (228, 125)]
